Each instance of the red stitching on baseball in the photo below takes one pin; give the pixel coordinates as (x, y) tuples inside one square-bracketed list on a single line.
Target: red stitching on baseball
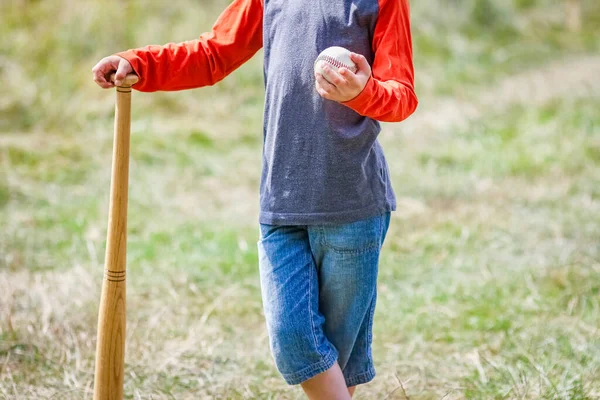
[(335, 62)]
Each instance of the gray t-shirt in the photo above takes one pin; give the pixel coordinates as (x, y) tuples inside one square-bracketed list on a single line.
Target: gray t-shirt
[(322, 162)]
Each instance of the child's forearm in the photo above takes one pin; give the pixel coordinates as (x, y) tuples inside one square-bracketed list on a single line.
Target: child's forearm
[(389, 95), (235, 38)]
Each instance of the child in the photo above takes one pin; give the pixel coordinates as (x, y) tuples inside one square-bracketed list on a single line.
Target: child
[(325, 190)]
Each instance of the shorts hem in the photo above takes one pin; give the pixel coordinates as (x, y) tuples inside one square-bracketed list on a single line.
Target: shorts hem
[(311, 371), (359, 379)]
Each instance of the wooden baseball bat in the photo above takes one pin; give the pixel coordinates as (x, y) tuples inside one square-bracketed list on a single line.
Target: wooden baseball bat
[(110, 348)]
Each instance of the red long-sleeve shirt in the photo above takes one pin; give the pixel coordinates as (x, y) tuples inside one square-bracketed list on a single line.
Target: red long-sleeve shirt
[(322, 162), (237, 36)]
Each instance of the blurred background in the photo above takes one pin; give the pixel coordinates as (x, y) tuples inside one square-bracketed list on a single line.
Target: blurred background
[(490, 277)]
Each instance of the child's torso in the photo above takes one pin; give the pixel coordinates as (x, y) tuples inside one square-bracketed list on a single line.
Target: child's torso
[(322, 162)]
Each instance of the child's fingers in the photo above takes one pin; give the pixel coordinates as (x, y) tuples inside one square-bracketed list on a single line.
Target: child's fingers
[(349, 77), (100, 79), (322, 83), (102, 69), (333, 76), (324, 94), (361, 63)]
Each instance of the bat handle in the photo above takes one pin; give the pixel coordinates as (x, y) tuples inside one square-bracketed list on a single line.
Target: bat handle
[(110, 348), (128, 81)]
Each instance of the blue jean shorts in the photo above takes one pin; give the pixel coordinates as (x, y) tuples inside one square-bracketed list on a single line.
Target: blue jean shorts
[(319, 287)]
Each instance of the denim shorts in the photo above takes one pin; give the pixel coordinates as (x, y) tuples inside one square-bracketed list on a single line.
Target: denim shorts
[(319, 287)]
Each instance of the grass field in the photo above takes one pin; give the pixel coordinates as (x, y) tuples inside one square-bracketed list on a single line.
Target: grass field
[(490, 278)]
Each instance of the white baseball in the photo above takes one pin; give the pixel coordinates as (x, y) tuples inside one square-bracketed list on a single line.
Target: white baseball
[(336, 57)]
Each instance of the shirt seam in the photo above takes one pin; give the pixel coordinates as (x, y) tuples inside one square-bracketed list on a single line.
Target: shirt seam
[(330, 214)]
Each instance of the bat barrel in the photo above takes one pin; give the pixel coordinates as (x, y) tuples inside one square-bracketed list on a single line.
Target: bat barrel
[(110, 348)]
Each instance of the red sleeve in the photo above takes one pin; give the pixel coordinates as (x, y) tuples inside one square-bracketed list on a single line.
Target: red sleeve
[(389, 94), (234, 39)]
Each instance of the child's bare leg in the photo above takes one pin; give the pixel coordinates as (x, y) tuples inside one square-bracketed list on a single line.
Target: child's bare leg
[(329, 385), (351, 390)]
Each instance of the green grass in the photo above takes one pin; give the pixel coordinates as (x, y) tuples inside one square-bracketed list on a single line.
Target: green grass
[(489, 280), (522, 143), (489, 293), (492, 283)]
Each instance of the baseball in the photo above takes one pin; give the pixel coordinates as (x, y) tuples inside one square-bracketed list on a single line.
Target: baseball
[(336, 57)]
